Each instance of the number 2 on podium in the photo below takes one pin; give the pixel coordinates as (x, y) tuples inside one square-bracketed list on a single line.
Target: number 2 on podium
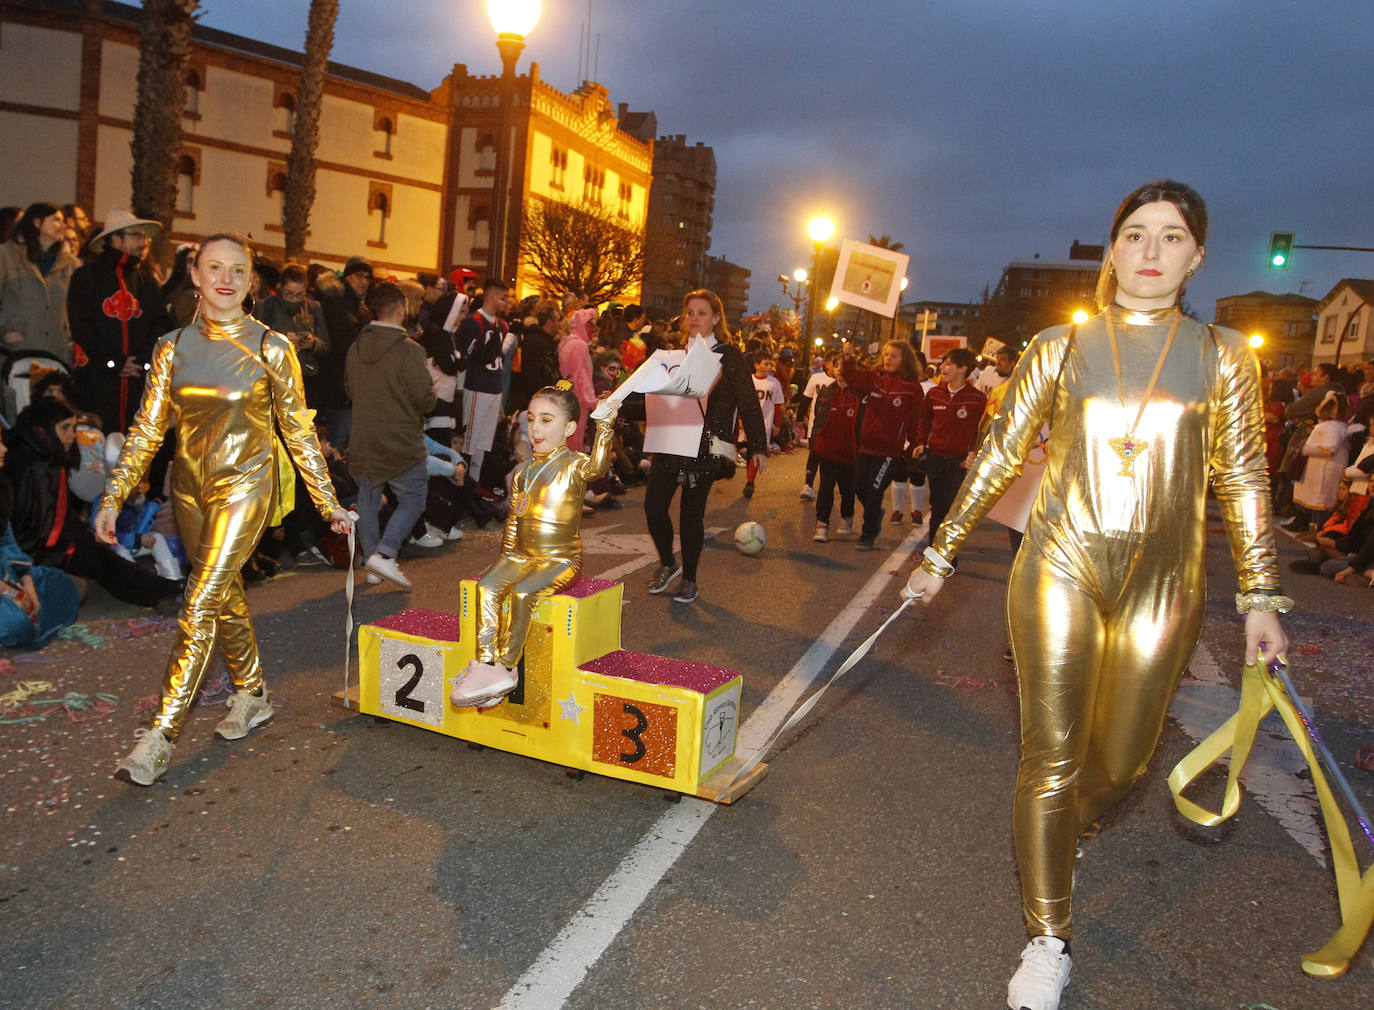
[(411, 681)]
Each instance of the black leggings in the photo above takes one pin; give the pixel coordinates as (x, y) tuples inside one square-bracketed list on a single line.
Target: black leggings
[(87, 558), (834, 475), (872, 475), (658, 496), (946, 476)]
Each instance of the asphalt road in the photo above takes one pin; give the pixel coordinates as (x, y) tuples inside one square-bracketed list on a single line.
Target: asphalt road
[(335, 860)]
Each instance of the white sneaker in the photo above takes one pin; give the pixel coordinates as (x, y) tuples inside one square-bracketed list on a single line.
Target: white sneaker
[(454, 533), (388, 569), (246, 710), (808, 493), (150, 757), (1042, 976), (373, 580), (845, 527), (427, 539), (822, 533)]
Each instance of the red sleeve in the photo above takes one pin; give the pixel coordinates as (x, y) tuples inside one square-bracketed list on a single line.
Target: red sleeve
[(923, 417), (913, 426), (860, 379)]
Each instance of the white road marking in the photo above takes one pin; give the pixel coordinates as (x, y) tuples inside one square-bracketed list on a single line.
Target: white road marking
[(641, 545), (564, 963), (1204, 701)]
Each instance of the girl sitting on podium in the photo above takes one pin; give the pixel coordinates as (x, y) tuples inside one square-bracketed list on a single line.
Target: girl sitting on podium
[(541, 551)]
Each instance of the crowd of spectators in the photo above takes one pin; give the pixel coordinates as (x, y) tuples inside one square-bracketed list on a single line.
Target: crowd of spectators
[(82, 305)]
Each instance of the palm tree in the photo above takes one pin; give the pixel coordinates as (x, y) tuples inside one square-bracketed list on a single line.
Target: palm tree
[(163, 55), (299, 197)]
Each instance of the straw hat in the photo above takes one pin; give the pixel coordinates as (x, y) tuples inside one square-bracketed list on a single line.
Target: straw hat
[(119, 219)]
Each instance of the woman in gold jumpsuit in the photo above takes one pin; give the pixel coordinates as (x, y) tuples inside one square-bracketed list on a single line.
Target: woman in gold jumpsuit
[(221, 382), (541, 551), (1106, 597)]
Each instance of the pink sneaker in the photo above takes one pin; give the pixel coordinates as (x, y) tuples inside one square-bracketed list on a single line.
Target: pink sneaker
[(483, 686)]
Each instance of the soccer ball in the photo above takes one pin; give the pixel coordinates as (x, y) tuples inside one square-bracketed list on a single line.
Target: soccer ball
[(750, 538)]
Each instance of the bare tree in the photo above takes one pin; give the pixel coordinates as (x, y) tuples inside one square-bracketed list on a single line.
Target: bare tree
[(163, 56), (581, 247), (299, 197)]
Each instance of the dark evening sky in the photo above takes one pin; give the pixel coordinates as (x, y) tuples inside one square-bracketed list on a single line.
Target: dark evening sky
[(976, 132)]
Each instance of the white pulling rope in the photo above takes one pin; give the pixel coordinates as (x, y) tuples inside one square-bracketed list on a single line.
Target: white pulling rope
[(810, 702), (348, 617)]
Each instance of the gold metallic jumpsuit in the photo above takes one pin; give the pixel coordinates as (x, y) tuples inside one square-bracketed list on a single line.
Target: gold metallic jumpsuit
[(224, 481), (542, 548), (1106, 597)]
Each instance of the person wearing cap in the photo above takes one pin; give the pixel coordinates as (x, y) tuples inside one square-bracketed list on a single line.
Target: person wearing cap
[(345, 315), (116, 312)]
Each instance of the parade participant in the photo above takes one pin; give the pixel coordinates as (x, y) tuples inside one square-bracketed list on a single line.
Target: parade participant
[(116, 312), (834, 442), (1106, 596), (768, 390), (733, 397), (541, 551), (222, 383), (948, 431), (892, 399)]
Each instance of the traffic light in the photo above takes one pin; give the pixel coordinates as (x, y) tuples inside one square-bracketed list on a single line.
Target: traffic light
[(1280, 250)]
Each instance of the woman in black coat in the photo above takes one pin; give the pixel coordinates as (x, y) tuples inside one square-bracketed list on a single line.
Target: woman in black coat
[(732, 398)]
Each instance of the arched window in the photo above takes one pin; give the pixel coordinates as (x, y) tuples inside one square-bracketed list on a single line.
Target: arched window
[(479, 223), (186, 185), (386, 127), (486, 153), (286, 112), (194, 84), (378, 210)]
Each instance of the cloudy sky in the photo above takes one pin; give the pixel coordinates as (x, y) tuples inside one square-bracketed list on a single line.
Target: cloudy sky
[(975, 131)]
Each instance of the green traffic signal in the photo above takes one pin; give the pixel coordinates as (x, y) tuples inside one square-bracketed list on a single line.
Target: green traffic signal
[(1280, 250)]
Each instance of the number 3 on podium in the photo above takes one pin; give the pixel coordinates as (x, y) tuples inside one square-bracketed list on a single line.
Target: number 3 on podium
[(411, 677)]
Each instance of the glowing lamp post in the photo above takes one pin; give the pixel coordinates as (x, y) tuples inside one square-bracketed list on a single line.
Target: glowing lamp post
[(1080, 317), (513, 20), (1257, 340), (820, 228)]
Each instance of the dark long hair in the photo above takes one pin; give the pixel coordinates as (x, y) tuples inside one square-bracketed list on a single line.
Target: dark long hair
[(26, 231), (1191, 208)]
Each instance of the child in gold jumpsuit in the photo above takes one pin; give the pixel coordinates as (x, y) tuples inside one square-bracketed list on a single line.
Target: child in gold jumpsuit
[(542, 548)]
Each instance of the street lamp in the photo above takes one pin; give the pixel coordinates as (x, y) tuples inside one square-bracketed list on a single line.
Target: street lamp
[(1257, 340), (1080, 317), (820, 228), (799, 275), (831, 304), (513, 20)]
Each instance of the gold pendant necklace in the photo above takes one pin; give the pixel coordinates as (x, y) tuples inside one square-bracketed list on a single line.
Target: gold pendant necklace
[(1128, 448)]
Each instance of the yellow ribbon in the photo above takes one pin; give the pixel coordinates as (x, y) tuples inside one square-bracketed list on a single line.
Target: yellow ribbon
[(1260, 693)]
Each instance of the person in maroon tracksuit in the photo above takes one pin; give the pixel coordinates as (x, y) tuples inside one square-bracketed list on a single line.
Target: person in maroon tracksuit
[(892, 399), (834, 442), (948, 431)]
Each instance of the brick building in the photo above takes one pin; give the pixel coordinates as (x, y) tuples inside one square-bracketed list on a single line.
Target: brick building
[(1288, 324), (404, 177)]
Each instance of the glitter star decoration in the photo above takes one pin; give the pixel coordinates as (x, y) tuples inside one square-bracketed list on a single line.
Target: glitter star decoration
[(571, 709)]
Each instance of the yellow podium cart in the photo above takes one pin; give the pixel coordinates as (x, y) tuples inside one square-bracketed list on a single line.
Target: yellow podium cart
[(581, 701)]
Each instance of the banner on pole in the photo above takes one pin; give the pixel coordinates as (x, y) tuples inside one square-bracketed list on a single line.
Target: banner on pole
[(869, 277)]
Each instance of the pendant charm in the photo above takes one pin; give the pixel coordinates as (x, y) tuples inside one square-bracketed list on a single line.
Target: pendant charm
[(519, 503), (1128, 450)]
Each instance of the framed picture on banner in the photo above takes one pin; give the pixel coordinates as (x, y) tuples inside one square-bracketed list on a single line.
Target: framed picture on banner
[(869, 277)]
